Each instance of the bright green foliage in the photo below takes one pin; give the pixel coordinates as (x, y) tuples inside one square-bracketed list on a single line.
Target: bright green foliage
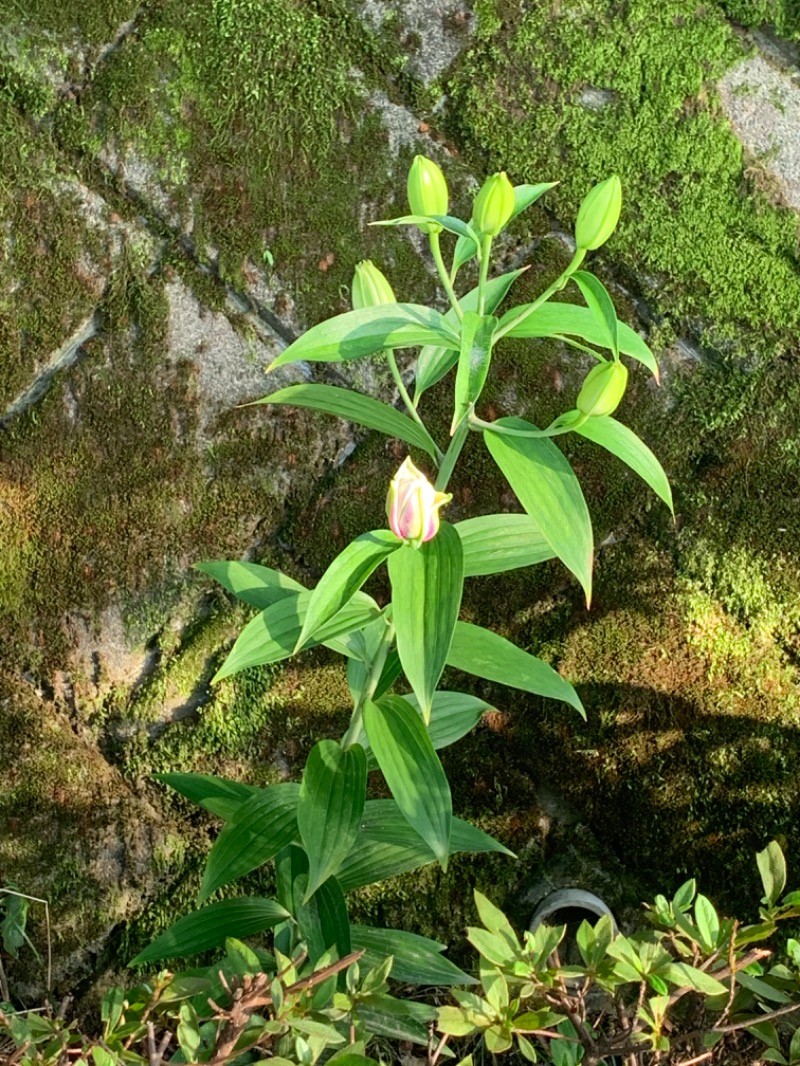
[(528, 986)]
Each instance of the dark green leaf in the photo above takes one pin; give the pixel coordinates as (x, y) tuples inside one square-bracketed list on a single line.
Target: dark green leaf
[(396, 1019), (623, 442), (329, 810), (599, 303), (427, 583), (546, 486), (209, 926), (555, 319), (215, 794), (485, 654), (453, 715), (369, 330), (255, 834), (412, 770), (387, 846), (323, 921), (473, 361), (344, 577), (772, 867), (363, 410), (497, 542), (417, 960)]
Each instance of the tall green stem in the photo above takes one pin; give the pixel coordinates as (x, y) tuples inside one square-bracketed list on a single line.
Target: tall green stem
[(409, 404), (444, 276), (453, 451), (557, 285), (486, 249), (373, 677)]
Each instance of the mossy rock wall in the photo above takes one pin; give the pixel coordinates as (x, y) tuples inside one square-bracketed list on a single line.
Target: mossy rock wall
[(185, 188)]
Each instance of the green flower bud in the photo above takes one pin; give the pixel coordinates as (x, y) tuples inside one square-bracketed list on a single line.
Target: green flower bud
[(494, 204), (603, 389), (370, 287), (427, 192), (598, 215)]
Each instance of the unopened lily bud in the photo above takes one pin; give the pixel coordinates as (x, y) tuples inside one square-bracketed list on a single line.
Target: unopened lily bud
[(603, 389), (427, 192), (599, 213), (494, 204), (412, 505), (370, 287)]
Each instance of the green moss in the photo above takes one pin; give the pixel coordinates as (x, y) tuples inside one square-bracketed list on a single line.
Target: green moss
[(96, 23), (716, 253)]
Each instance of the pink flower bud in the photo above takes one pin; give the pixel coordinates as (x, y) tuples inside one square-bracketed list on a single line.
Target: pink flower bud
[(412, 505)]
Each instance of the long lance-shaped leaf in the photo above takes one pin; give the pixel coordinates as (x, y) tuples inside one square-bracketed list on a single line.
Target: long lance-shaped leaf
[(480, 652), (433, 361), (332, 796), (322, 919), (546, 486), (453, 715), (494, 543), (554, 319), (369, 330), (599, 303), (412, 770), (344, 577), (473, 361), (215, 794), (417, 960), (623, 442), (262, 826), (524, 196), (272, 635), (448, 222), (260, 586), (209, 927), (363, 410), (387, 846), (427, 583)]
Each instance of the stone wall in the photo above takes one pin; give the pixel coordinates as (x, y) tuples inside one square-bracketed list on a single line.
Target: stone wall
[(186, 186)]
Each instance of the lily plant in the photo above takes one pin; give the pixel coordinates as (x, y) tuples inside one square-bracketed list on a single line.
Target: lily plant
[(323, 833)]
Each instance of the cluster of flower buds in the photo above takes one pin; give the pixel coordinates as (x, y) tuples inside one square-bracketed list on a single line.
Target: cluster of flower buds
[(412, 505)]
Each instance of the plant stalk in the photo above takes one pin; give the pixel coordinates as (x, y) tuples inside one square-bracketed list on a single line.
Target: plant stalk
[(409, 404), (557, 285), (443, 274)]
